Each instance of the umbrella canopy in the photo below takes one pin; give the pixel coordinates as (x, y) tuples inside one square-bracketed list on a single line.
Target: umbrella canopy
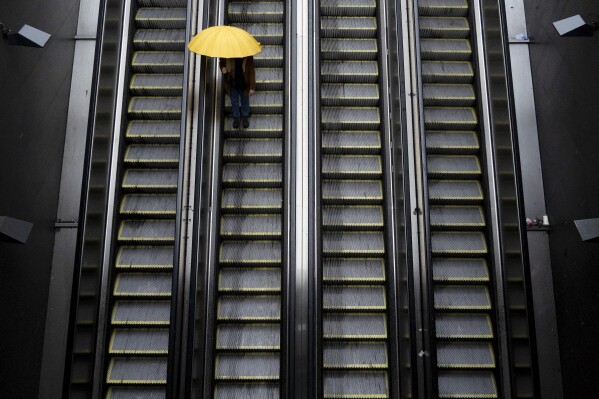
[(225, 42)]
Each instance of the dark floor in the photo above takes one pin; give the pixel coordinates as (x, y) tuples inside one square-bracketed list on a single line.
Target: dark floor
[(566, 84), (35, 86)]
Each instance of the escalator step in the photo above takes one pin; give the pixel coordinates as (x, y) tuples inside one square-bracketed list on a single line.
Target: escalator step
[(444, 27), (354, 298), (244, 367), (443, 7), (457, 217), (263, 102), (451, 297), (467, 384), (353, 270), (162, 3), (464, 244), (269, 79), (151, 231), (474, 355), (156, 205), (360, 142), (264, 33), (448, 95), (136, 393), (352, 217), (250, 253), (156, 85), (249, 280), (358, 385), (356, 166), (155, 107), (145, 257), (446, 49), (348, 7), (258, 390), (269, 57), (349, 49), (264, 12), (450, 118), (449, 191), (348, 94), (249, 308), (165, 155), (161, 18), (252, 175), (132, 313), (159, 39), (347, 355), (158, 61), (252, 200), (154, 131), (453, 166), (447, 72), (353, 243), (463, 326), (142, 284), (251, 226), (139, 342), (253, 150), (349, 71), (233, 337), (452, 142), (264, 126), (352, 191), (140, 371), (344, 27), (460, 270), (350, 118), (352, 326)]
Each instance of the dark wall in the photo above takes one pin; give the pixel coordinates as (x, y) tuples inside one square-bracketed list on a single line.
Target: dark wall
[(34, 85), (566, 85)]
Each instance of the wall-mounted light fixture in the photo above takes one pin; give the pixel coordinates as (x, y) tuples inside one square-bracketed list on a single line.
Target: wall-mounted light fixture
[(26, 36), (575, 26)]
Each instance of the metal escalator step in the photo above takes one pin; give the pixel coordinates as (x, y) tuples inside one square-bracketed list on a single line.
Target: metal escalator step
[(156, 85), (444, 27), (460, 270), (356, 384), (142, 285), (233, 337), (252, 175), (156, 132), (450, 118), (463, 326), (348, 49), (154, 205), (265, 33), (140, 257), (161, 18), (158, 61), (253, 150), (353, 243), (261, 126), (354, 298), (464, 355), (453, 297), (249, 308), (443, 7), (250, 253), (352, 217), (256, 390), (151, 231), (449, 95), (252, 200), (263, 102), (452, 142), (155, 107), (150, 180), (268, 79), (269, 57), (247, 366), (352, 191), (446, 49), (139, 341), (349, 71), (350, 118), (349, 355), (251, 226), (452, 191), (447, 72), (159, 39), (347, 141), (249, 280), (349, 94), (140, 313), (353, 270), (354, 326), (136, 392), (142, 371), (467, 384), (344, 27), (152, 155), (454, 166), (263, 12), (344, 166), (348, 7), (162, 3), (456, 217), (462, 243)]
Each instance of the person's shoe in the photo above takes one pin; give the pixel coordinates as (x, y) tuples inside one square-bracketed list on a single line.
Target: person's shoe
[(246, 122), (236, 122)]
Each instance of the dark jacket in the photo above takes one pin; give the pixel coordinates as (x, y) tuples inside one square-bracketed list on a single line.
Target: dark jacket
[(249, 73)]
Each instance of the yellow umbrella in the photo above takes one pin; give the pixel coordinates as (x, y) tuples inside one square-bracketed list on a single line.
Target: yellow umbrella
[(225, 42)]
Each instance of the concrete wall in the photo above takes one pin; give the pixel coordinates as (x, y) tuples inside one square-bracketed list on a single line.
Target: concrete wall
[(566, 86), (34, 84)]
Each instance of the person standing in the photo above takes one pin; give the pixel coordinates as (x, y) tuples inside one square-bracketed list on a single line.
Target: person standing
[(240, 83)]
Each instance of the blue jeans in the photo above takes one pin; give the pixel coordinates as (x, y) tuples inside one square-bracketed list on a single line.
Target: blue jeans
[(236, 96)]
